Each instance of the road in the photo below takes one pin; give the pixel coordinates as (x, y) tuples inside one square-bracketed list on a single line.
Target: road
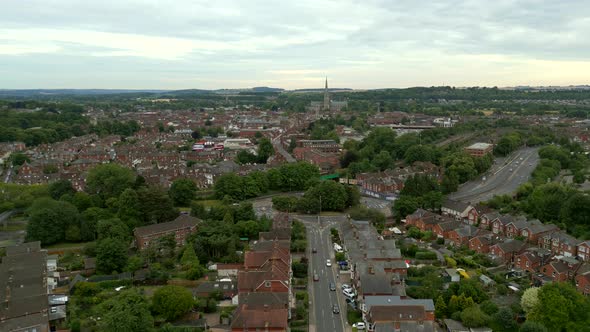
[(322, 299), (504, 177)]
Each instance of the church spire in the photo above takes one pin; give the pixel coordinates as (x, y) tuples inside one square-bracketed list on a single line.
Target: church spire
[(326, 105)]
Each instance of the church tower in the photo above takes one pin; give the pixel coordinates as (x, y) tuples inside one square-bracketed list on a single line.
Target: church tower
[(326, 105)]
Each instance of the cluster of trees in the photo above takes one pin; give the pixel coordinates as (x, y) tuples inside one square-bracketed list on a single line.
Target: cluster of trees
[(287, 177), (54, 122), (218, 236), (265, 150), (508, 143), (461, 167), (114, 203), (420, 191), (130, 309), (555, 307), (324, 196)]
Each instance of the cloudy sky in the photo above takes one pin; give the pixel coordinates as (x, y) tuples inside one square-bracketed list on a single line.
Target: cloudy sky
[(292, 44)]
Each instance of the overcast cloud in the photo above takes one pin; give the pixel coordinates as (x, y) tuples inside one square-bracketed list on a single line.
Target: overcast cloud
[(292, 44)]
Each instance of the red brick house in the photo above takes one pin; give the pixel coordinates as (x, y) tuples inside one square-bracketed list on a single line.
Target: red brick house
[(583, 279), (442, 229), (481, 243), (583, 249), (485, 220), (507, 250), (536, 229), (460, 236), (180, 227), (528, 261), (557, 271), (560, 243), (256, 319), (424, 220)]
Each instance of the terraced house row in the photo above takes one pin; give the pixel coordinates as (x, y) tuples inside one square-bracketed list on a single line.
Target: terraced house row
[(542, 251)]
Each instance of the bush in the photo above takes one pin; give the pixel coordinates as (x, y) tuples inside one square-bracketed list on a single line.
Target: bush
[(426, 255)]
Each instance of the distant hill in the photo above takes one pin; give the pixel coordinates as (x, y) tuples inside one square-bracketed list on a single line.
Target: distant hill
[(73, 92)]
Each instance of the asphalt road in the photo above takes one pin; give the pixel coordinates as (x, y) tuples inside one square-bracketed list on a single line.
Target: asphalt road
[(322, 299), (504, 177)]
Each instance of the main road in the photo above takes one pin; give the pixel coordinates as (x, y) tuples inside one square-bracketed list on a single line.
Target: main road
[(321, 297), (504, 177)]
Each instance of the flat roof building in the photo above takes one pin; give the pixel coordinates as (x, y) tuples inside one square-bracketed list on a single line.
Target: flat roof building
[(479, 149)]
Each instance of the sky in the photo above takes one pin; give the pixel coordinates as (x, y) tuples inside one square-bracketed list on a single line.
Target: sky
[(365, 44)]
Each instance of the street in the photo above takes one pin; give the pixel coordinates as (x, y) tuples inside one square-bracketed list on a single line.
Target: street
[(322, 299), (504, 177)]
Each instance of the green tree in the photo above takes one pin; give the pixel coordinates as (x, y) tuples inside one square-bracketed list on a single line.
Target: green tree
[(531, 326), (404, 206), (247, 229), (504, 320), (109, 180), (440, 308), (112, 228), (198, 210), (229, 184), (546, 201), (127, 311), (61, 187), (529, 299), (189, 259), (155, 205), (171, 302), (129, 208), (265, 150), (182, 192), (90, 219), (111, 255), (19, 158), (561, 308), (49, 220), (474, 317)]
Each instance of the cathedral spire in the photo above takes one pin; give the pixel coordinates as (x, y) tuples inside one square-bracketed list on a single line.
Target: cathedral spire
[(326, 105)]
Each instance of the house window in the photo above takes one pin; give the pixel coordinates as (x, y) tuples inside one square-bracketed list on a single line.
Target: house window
[(528, 264), (553, 274)]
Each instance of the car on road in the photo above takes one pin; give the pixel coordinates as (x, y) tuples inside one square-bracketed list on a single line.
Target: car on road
[(332, 286), (316, 277), (335, 309), (314, 250), (328, 263), (349, 293), (510, 170), (360, 326)]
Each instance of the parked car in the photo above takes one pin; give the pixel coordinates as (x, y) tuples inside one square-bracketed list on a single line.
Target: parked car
[(349, 293), (332, 286), (328, 263), (314, 250), (316, 277), (335, 309), (346, 286), (360, 326)]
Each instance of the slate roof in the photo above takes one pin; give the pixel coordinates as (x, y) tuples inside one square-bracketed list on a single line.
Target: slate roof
[(254, 318)]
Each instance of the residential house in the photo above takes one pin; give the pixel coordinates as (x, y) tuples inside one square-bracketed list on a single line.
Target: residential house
[(227, 287), (256, 319), (395, 314), (583, 279), (180, 228), (442, 229), (583, 249), (481, 243), (459, 210), (460, 236), (507, 250), (531, 260), (23, 284), (560, 243)]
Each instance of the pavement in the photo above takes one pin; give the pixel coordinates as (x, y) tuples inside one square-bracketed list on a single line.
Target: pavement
[(322, 299), (504, 177)]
